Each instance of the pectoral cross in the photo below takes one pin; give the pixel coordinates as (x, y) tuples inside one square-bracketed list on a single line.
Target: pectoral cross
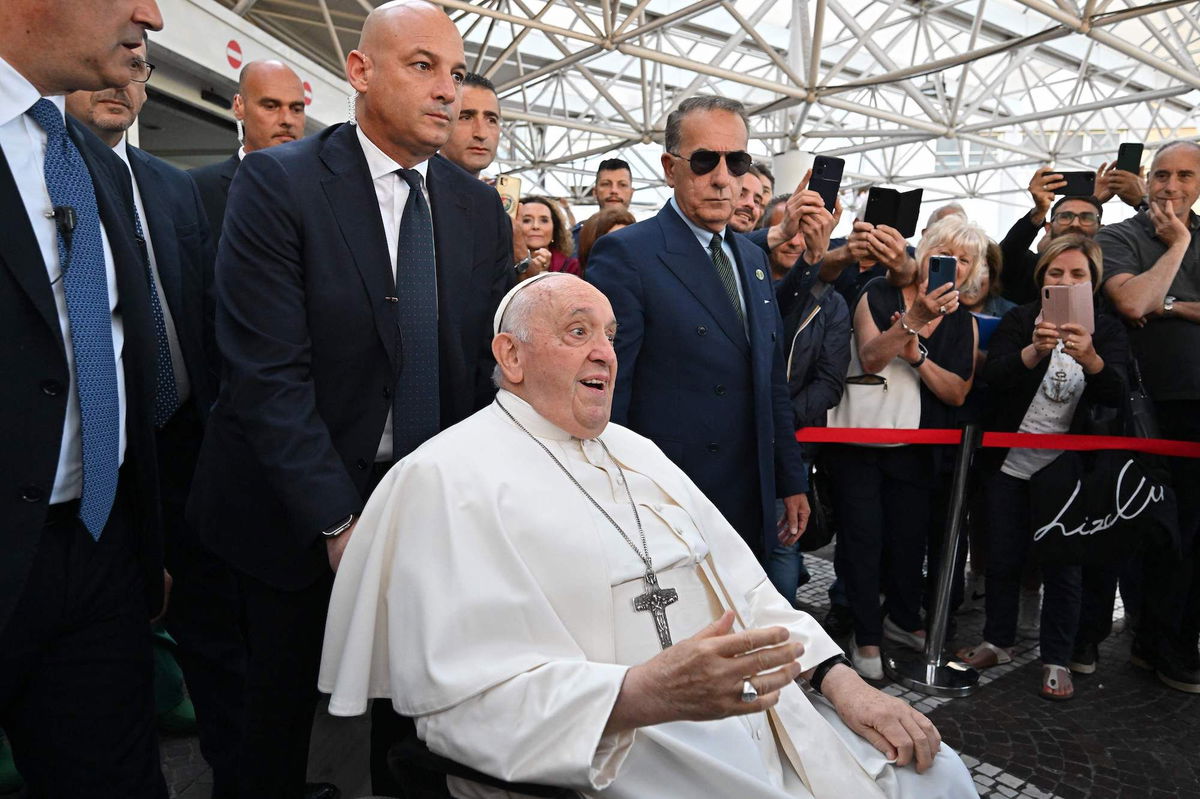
[(656, 600)]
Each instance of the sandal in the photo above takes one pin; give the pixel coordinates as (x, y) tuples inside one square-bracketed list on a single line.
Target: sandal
[(1056, 678), (984, 655)]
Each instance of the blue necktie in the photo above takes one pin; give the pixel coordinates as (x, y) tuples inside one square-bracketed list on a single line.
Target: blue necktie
[(415, 409), (85, 281), (166, 393)]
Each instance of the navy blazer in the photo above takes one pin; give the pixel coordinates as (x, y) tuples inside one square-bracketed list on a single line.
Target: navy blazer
[(214, 181), (178, 229), (309, 344), (33, 371), (714, 400)]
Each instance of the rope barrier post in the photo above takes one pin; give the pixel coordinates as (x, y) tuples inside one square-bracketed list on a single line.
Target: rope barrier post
[(932, 672)]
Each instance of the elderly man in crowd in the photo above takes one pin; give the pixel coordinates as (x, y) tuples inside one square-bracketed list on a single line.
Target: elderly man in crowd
[(584, 617), (1152, 277)]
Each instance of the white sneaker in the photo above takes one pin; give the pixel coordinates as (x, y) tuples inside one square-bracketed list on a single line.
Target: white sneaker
[(900, 635), (1029, 619), (870, 668)]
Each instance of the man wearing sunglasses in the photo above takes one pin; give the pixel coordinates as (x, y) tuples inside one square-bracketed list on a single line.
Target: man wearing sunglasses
[(701, 372)]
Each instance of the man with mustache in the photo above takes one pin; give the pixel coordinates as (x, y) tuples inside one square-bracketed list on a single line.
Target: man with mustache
[(355, 283), (749, 208), (702, 373), (81, 572), (202, 617), (269, 109)]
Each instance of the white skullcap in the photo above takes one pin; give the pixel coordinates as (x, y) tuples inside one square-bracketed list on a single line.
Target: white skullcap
[(508, 298)]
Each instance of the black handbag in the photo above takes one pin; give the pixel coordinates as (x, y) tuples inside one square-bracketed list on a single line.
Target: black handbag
[(820, 528)]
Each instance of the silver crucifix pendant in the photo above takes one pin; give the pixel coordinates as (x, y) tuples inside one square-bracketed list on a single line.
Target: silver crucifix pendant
[(656, 600)]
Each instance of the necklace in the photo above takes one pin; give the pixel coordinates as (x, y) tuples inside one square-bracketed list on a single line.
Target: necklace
[(655, 599)]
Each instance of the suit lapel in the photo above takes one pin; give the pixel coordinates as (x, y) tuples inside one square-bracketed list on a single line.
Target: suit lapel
[(752, 284), (693, 267), (21, 251), (228, 170), (453, 243), (352, 203)]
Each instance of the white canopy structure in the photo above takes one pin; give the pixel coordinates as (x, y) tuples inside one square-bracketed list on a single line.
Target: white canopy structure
[(964, 98)]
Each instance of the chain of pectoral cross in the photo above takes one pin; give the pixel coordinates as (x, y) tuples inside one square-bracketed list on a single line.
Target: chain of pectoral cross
[(655, 599)]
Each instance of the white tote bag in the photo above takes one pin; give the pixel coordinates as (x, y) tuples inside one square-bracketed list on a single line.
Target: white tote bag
[(889, 399)]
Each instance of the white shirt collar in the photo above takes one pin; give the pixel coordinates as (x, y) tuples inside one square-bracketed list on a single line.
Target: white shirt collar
[(241, 153), (122, 151), (534, 422), (380, 163), (704, 235), (17, 95)]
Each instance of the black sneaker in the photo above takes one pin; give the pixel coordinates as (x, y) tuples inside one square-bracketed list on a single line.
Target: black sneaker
[(1142, 655), (839, 621), (1083, 659), (1172, 671)]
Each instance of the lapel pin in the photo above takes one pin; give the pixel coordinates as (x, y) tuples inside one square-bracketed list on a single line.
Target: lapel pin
[(758, 273), (392, 299)]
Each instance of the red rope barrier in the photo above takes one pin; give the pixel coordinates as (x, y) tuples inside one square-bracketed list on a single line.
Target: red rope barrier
[(868, 435)]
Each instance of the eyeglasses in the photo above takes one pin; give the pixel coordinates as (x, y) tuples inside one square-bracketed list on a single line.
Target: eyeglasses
[(142, 70), (1085, 218), (705, 161)]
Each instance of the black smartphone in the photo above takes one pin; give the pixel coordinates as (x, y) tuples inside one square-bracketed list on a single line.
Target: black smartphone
[(894, 208), (1129, 157), (826, 178), (942, 270), (1079, 184)]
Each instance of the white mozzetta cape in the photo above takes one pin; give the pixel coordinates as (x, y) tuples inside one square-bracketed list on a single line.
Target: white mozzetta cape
[(474, 593)]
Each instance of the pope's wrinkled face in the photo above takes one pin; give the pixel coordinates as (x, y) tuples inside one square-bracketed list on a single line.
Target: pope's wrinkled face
[(567, 369)]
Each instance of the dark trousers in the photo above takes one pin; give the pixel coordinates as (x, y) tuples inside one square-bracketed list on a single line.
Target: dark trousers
[(881, 500), (1096, 606), (1010, 539), (76, 673), (203, 614), (1170, 620), (283, 632)]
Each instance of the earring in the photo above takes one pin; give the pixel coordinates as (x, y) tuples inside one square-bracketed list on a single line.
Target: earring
[(241, 132)]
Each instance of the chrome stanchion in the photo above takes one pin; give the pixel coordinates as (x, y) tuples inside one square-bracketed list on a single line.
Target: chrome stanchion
[(932, 672)]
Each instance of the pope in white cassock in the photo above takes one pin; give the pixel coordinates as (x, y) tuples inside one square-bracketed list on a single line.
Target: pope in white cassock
[(556, 603)]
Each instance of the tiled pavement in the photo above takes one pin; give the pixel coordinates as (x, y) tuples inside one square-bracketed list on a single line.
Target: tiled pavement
[(1124, 735)]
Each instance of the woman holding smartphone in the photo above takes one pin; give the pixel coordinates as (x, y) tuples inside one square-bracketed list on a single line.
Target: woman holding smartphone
[(882, 496), (1045, 378)]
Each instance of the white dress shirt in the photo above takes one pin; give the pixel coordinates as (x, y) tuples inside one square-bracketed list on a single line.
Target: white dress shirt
[(183, 386), (391, 191), (24, 144)]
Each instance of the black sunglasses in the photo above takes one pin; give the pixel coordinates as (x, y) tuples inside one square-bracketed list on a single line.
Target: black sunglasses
[(705, 161)]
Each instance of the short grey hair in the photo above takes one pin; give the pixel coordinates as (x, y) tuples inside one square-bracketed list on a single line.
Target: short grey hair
[(517, 320), (949, 209), (1171, 145), (701, 102)]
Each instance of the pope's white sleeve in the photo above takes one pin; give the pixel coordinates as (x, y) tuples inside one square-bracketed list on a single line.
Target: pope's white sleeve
[(544, 726)]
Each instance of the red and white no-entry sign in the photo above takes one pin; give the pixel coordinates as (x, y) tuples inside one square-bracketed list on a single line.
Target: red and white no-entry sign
[(233, 52), (307, 93)]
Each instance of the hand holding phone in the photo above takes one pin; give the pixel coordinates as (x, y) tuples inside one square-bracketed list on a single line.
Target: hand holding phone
[(1077, 184), (827, 179), (1069, 305), (942, 270)]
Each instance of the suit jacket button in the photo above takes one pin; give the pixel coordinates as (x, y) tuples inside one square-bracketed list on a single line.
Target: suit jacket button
[(51, 388), (701, 331), (719, 390), (31, 493), (714, 448), (387, 392), (361, 464)]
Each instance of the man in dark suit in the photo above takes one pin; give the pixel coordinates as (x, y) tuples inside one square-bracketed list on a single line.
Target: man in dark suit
[(82, 567), (356, 280), (700, 365), (203, 613), (269, 109)]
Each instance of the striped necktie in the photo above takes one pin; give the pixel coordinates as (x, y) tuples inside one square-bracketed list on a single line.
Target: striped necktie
[(725, 272)]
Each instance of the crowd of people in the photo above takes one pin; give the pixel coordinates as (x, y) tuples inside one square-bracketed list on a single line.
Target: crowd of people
[(527, 488)]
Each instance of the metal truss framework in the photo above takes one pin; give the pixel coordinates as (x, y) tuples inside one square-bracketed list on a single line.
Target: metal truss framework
[(961, 97)]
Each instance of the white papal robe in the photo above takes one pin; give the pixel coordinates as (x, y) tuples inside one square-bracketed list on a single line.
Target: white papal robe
[(488, 598)]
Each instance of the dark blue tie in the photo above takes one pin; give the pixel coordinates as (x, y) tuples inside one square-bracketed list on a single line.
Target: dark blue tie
[(166, 392), (85, 281), (415, 410)]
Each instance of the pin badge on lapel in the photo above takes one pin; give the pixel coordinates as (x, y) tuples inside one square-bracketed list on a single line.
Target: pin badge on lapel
[(758, 273)]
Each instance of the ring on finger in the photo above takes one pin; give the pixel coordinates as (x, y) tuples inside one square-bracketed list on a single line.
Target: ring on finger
[(1070, 344), (749, 692), (942, 310)]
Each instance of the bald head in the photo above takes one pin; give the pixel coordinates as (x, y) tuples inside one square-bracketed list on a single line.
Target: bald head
[(408, 70), (555, 351), (270, 104)]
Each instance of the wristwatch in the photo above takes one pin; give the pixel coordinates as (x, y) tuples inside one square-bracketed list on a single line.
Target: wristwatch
[(339, 528), (1168, 305), (822, 669), (522, 266), (924, 354)]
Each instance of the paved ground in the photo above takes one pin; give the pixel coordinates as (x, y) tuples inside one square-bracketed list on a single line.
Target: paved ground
[(1124, 735)]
